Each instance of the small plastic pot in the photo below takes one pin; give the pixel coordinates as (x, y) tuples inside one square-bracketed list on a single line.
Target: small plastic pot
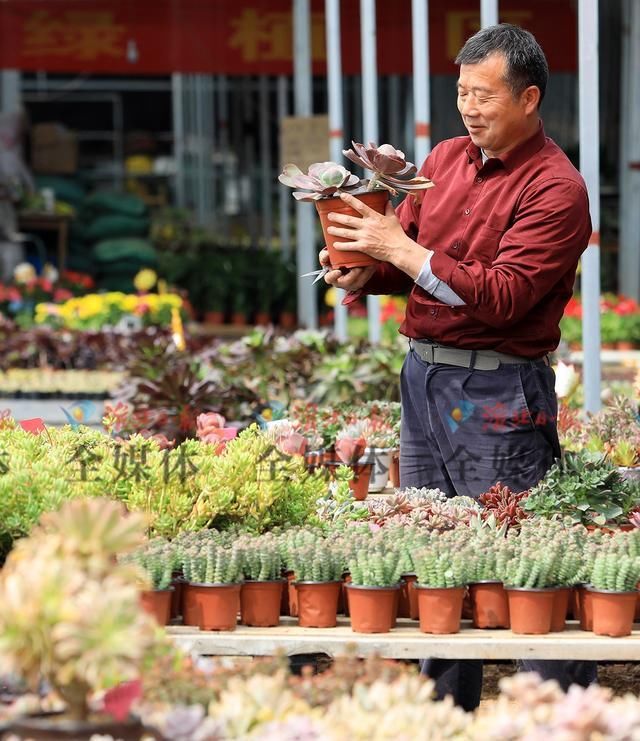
[(560, 609), (318, 603), (216, 606), (585, 602), (489, 605), (530, 610), (359, 484), (157, 602), (408, 597), (613, 612), (440, 609), (372, 609), (260, 603)]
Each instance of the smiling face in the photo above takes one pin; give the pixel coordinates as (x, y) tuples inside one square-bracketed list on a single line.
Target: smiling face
[(496, 119)]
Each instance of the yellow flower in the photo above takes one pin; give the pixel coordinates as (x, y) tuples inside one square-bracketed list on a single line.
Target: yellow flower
[(145, 280)]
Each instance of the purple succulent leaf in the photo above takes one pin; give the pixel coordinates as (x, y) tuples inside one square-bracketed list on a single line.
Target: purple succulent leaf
[(352, 182), (304, 195), (387, 165), (417, 183), (351, 155), (409, 169), (329, 173), (390, 151), (289, 172), (308, 182)]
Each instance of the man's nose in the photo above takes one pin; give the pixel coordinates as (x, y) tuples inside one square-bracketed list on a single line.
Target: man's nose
[(468, 106)]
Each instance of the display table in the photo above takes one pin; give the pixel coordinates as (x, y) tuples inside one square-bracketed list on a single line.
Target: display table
[(407, 642), (38, 221)]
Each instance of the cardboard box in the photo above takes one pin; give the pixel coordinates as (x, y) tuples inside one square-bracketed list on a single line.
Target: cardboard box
[(54, 149)]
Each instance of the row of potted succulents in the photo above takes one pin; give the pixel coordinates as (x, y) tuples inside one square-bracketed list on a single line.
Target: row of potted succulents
[(524, 580), (71, 616)]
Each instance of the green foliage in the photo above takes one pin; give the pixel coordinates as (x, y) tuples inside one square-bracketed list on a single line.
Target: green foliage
[(615, 572), (262, 559), (213, 564), (373, 567), (585, 487)]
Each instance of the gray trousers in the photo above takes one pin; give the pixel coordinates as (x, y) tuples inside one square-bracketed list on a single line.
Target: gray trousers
[(462, 431)]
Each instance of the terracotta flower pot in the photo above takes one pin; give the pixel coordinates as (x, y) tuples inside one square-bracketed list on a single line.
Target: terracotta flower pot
[(260, 603), (377, 200), (560, 609), (574, 604), (585, 608), (216, 606), (625, 345), (263, 318), (408, 597), (188, 610), (371, 608), (613, 612), (440, 609), (54, 728), (214, 317), (530, 610), (360, 482), (318, 603), (489, 605), (239, 318), (176, 596), (157, 602), (394, 470), (293, 594), (287, 319)]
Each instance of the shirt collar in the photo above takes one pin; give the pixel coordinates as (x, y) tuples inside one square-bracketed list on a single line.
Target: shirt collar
[(516, 156)]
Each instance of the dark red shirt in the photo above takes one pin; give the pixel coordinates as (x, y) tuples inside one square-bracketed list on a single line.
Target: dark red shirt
[(507, 236)]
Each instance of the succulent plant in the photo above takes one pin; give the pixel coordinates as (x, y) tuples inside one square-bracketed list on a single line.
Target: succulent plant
[(373, 567), (389, 166), (262, 560), (323, 180), (71, 614), (503, 504), (213, 564), (317, 561), (156, 562)]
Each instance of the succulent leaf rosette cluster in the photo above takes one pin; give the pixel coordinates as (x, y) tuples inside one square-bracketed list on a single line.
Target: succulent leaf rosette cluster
[(390, 168)]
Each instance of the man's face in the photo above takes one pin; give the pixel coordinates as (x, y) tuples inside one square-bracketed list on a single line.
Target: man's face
[(495, 119)]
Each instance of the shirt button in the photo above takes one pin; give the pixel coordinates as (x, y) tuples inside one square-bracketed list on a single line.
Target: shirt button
[(479, 179), (433, 311), (456, 245), (467, 211)]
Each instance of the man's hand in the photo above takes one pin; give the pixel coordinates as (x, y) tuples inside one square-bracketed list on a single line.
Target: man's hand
[(352, 280)]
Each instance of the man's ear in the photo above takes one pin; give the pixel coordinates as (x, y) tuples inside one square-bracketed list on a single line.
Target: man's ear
[(531, 98)]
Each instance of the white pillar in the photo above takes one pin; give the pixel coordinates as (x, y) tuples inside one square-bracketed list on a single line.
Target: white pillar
[(10, 98), (488, 13), (370, 118), (589, 137), (305, 212), (336, 123), (284, 195), (421, 108), (629, 212)]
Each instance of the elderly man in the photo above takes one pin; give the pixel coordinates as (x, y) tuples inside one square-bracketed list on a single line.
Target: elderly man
[(489, 257)]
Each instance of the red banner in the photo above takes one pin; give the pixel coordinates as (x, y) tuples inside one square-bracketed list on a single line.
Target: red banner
[(248, 37)]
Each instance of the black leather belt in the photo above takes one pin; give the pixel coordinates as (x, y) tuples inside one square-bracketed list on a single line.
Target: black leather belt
[(431, 352)]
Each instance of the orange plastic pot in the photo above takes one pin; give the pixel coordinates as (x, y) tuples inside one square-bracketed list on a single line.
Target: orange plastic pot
[(293, 595), (176, 596), (560, 609), (377, 200), (188, 610), (489, 605), (157, 602), (360, 482), (372, 609), (585, 608), (394, 470), (260, 603), (613, 612), (530, 610), (216, 606), (440, 609), (318, 603), (408, 597)]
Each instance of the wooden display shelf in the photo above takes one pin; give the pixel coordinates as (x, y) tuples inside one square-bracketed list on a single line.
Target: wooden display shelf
[(407, 642)]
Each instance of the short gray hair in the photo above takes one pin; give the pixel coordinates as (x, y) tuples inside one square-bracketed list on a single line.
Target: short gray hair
[(526, 62)]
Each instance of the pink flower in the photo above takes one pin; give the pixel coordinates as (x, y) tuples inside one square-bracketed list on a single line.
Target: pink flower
[(207, 422), (219, 438), (349, 450), (62, 294), (293, 444)]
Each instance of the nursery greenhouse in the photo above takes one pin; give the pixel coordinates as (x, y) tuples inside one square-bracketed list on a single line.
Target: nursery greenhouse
[(319, 370)]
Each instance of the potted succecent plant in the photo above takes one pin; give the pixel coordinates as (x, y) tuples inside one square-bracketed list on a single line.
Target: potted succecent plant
[(214, 578), (324, 181), (489, 603), (261, 591), (614, 593), (373, 589), (318, 567), (156, 561), (350, 447), (71, 616)]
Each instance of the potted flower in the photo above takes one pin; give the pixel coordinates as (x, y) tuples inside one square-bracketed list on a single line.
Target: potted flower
[(613, 589), (71, 616), (261, 591), (324, 182), (318, 567), (350, 448), (373, 589), (156, 561), (380, 438), (214, 577), (442, 569)]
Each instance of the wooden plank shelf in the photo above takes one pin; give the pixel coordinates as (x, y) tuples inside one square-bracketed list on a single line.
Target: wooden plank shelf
[(407, 642)]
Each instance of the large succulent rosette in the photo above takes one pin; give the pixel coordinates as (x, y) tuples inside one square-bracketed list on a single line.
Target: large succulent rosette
[(323, 180)]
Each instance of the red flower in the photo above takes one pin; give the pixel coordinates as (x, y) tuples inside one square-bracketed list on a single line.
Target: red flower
[(13, 294), (46, 284), (62, 294), (573, 308)]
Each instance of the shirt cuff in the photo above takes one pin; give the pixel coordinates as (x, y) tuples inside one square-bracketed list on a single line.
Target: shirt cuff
[(426, 279)]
